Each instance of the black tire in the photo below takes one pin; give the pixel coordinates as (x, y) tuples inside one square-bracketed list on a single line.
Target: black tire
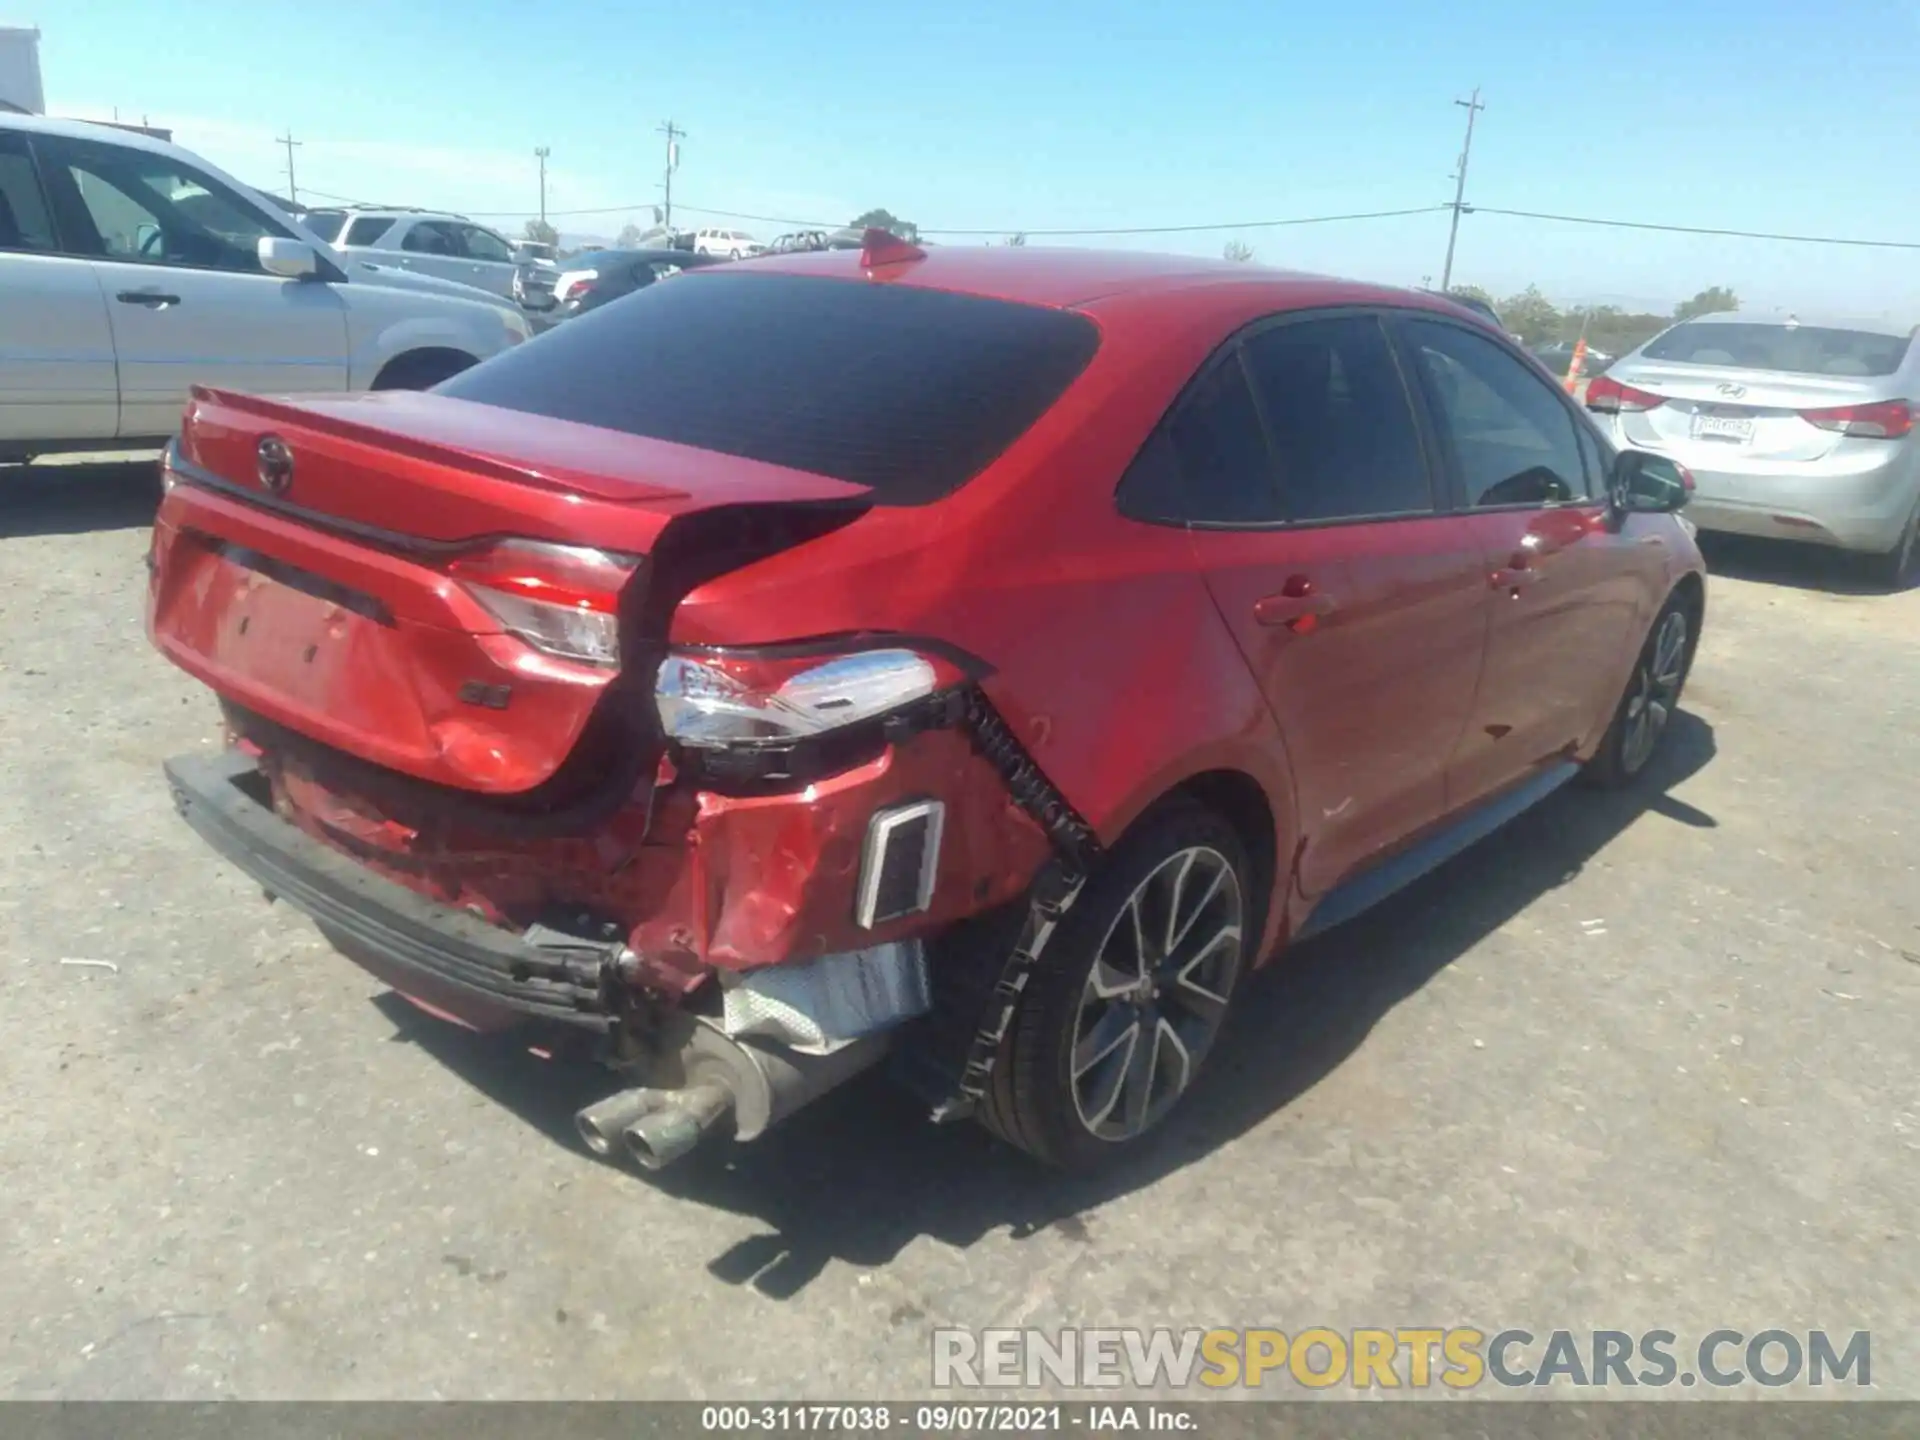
[(1653, 691), (421, 371), (1035, 1100), (1898, 568)]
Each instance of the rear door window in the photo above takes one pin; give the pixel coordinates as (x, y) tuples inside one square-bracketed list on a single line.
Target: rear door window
[(1343, 431), (367, 229), (433, 237), (25, 223), (908, 391), (485, 245), (1795, 349), (325, 223)]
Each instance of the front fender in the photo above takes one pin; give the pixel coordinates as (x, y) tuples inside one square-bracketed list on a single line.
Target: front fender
[(380, 330)]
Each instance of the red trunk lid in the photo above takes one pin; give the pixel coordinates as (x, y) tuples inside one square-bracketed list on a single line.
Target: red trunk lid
[(323, 604)]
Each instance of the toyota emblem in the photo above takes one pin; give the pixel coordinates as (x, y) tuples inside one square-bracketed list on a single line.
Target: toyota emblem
[(276, 464), (1732, 391)]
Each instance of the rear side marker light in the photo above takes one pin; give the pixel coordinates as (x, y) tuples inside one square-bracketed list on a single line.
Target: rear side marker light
[(899, 862), (562, 599), (1882, 420), (1610, 397)]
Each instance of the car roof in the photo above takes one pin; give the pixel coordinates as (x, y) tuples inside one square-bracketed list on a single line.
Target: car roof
[(1871, 324), (1068, 278), (97, 130)]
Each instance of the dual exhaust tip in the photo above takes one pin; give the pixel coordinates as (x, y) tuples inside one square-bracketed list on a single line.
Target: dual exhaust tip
[(653, 1127)]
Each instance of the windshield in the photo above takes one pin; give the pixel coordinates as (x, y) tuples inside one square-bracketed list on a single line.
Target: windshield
[(1798, 349), (908, 391)]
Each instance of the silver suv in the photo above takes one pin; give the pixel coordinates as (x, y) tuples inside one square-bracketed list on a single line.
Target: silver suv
[(427, 242)]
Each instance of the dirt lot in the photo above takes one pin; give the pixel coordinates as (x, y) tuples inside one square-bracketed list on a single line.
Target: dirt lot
[(1633, 1063)]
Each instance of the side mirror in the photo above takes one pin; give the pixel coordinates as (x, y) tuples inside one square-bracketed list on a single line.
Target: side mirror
[(290, 259), (1647, 484)]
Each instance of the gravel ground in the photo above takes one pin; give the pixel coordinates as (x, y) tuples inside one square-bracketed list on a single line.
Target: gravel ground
[(1632, 1063)]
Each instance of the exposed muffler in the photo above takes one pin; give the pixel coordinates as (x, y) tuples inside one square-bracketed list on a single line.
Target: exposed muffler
[(759, 1081)]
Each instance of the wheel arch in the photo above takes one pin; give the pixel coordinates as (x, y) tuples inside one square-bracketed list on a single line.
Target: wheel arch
[(1261, 818), (445, 360)]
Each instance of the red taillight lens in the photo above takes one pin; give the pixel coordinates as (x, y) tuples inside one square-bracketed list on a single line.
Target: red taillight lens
[(1882, 420), (563, 599), (1609, 397)]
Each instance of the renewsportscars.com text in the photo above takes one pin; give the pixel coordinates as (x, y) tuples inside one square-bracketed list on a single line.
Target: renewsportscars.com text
[(1414, 1358)]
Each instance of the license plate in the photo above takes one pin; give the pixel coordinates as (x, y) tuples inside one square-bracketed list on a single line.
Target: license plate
[(1722, 427)]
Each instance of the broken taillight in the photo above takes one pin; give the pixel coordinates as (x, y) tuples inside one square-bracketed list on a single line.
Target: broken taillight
[(562, 599), (712, 701)]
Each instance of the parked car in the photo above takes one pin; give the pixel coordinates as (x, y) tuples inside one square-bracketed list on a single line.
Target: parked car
[(800, 241), (997, 688), (130, 268), (427, 242), (536, 269), (1558, 357), (613, 273), (732, 244), (1799, 430)]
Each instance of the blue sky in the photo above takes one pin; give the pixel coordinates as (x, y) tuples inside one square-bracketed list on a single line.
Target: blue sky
[(1770, 115)]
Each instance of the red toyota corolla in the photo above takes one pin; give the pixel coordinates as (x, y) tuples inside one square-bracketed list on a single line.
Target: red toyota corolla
[(979, 658)]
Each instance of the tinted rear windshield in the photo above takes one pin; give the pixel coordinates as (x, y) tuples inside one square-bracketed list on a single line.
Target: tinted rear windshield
[(326, 224), (1801, 349), (911, 392)]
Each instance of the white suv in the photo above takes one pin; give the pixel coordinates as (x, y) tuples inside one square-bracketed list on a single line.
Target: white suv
[(131, 269), (730, 243), (426, 242)]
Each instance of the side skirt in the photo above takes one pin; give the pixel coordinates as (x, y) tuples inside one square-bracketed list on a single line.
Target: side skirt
[(1370, 887)]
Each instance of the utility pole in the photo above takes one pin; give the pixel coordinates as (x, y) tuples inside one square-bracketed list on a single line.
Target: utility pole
[(293, 189), (1472, 107), (674, 136), (541, 152)]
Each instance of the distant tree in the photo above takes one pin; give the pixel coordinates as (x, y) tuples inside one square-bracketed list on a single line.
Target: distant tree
[(629, 237), (1531, 316), (1019, 237), (1715, 300), (886, 220), (542, 232), (1237, 251), (1472, 292)]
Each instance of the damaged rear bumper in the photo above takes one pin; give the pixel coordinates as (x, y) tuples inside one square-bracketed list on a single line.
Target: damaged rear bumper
[(441, 955)]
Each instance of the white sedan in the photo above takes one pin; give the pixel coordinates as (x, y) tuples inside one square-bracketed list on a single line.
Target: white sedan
[(131, 269)]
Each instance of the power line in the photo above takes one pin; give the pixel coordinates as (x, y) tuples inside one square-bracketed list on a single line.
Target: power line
[(1001, 230), (1473, 108), (1194, 229), (1698, 229)]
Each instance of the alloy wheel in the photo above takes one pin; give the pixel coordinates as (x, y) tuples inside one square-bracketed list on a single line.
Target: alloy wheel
[(1157, 992), (1656, 691)]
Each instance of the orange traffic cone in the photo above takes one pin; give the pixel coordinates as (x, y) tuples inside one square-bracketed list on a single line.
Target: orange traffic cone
[(1579, 359)]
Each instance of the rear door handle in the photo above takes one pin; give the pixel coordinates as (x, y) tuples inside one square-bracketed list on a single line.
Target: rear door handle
[(152, 299), (1298, 606)]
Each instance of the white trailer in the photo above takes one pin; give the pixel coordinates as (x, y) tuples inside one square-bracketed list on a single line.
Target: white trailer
[(20, 87)]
